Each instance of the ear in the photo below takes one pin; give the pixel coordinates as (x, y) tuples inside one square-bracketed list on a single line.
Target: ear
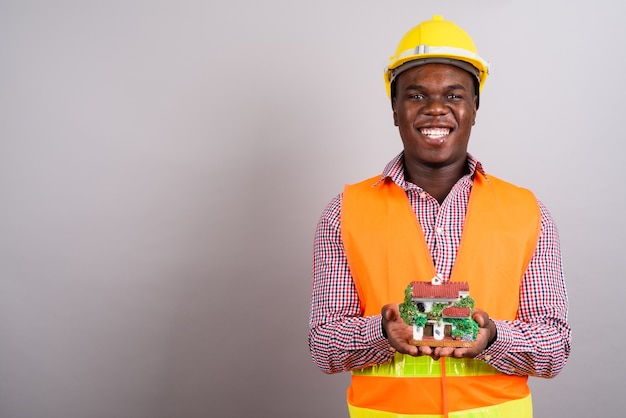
[(395, 113), (474, 110)]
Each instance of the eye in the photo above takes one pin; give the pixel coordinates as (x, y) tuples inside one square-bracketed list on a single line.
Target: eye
[(416, 96), (454, 96)]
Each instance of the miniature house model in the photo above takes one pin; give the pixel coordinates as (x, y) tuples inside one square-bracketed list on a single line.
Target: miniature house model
[(442, 303)]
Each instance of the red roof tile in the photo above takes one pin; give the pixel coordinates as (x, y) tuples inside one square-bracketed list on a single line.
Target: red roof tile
[(456, 312), (448, 290)]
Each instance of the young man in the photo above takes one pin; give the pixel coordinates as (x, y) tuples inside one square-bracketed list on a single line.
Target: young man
[(435, 212)]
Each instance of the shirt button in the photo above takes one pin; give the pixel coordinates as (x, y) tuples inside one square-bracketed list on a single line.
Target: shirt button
[(439, 230), (488, 357), (423, 195)]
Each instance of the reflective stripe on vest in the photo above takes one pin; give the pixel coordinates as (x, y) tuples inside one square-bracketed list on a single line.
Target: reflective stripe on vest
[(408, 366), (519, 408), (386, 249)]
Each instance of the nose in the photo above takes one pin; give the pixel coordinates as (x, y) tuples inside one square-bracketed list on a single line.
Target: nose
[(435, 106)]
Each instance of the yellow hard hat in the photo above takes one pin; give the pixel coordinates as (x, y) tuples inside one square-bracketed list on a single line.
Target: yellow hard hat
[(436, 41)]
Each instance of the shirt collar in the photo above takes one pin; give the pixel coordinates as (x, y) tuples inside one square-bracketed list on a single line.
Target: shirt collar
[(394, 170)]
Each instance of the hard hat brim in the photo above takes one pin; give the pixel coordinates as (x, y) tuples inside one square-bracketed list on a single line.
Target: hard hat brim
[(435, 60)]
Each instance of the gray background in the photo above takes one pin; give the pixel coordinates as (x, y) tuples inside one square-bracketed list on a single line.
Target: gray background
[(163, 165)]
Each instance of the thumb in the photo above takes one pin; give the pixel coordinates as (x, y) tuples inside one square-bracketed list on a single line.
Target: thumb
[(481, 317), (390, 312)]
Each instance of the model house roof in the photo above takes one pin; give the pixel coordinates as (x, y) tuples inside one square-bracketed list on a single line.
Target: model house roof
[(448, 290), (456, 312)]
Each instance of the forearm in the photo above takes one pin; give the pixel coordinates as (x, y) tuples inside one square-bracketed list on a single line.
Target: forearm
[(527, 349), (352, 343)]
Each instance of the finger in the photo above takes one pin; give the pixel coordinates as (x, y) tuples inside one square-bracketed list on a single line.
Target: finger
[(446, 351), (424, 350), (460, 353), (404, 348)]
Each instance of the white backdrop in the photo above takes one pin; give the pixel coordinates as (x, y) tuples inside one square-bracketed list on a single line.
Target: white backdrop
[(163, 165)]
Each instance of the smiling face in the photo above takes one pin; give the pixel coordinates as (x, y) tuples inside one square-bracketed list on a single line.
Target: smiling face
[(435, 109)]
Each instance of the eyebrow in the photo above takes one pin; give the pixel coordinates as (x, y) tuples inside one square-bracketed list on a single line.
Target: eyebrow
[(456, 87), (421, 87)]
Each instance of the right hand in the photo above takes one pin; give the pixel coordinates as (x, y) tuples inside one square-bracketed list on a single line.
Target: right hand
[(398, 332)]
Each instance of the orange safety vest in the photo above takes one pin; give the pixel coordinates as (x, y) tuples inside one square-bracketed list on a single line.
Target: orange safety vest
[(386, 249)]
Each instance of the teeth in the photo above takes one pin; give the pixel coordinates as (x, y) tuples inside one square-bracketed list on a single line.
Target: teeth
[(435, 132)]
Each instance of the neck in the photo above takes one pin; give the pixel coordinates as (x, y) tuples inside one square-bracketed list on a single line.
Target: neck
[(436, 181)]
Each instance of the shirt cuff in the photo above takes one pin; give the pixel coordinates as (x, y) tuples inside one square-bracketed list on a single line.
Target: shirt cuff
[(501, 346), (374, 329), (379, 342)]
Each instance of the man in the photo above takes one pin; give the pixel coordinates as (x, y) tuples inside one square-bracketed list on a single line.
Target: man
[(435, 212)]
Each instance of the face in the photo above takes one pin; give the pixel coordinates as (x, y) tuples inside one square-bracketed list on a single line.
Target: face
[(434, 109)]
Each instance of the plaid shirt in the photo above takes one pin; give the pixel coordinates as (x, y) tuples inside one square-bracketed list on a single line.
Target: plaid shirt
[(537, 343)]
